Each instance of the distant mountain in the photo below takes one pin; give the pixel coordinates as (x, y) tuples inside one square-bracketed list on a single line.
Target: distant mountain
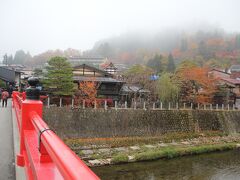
[(205, 42)]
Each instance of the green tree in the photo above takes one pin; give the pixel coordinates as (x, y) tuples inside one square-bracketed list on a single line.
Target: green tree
[(59, 76), (156, 63), (186, 64), (7, 59), (219, 63), (238, 41), (38, 72), (167, 88), (171, 65), (21, 57), (140, 74), (138, 69), (200, 61), (2, 84)]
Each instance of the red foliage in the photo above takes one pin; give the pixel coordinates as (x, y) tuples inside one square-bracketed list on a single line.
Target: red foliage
[(197, 87), (87, 91)]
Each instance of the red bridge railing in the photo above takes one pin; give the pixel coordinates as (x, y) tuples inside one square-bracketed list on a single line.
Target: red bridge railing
[(43, 154)]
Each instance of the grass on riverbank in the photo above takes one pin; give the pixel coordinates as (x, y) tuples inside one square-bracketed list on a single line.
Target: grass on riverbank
[(120, 158), (163, 152), (172, 152)]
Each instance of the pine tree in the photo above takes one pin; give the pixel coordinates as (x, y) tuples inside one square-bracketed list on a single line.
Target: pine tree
[(156, 63), (20, 57), (171, 65), (38, 72), (59, 76), (7, 59)]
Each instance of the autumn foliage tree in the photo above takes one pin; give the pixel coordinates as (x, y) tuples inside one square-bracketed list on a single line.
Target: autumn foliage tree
[(87, 91), (196, 85)]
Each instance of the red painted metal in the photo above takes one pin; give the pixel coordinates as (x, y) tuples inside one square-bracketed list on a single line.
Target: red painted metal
[(49, 158)]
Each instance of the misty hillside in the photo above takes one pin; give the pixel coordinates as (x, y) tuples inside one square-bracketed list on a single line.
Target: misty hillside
[(206, 43)]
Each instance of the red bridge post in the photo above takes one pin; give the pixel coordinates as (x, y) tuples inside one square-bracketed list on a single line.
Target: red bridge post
[(31, 104), (28, 106)]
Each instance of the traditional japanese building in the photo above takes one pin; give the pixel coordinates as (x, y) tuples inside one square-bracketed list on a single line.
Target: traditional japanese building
[(134, 92), (235, 71), (94, 61), (107, 86), (218, 73), (109, 67), (228, 85), (10, 75)]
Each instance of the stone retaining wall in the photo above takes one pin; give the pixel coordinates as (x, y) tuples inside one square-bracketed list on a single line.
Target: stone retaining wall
[(111, 123)]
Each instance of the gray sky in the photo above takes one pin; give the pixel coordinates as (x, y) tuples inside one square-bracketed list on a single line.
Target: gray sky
[(39, 25)]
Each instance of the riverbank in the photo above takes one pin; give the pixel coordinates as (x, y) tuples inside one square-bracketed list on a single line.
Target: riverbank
[(105, 151), (215, 165)]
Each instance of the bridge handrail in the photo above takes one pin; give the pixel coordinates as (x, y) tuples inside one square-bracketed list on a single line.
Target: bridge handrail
[(42, 152), (17, 104), (59, 152)]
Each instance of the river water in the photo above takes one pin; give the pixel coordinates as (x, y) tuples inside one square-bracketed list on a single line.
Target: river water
[(212, 166)]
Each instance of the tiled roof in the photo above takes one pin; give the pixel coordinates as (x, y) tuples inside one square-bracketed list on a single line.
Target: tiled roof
[(231, 81), (93, 68), (108, 64), (95, 79), (133, 88), (219, 70), (235, 68)]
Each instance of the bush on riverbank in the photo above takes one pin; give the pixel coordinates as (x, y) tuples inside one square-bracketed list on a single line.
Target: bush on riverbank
[(181, 151), (120, 158)]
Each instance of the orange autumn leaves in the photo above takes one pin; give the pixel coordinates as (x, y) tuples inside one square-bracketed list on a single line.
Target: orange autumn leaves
[(88, 90), (196, 85)]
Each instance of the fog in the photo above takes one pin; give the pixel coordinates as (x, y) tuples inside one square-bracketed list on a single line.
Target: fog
[(37, 26)]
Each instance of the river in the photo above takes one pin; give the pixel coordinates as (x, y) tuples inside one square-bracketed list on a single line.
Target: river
[(212, 166)]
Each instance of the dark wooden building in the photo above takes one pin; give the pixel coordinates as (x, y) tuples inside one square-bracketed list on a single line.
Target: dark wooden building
[(10, 75), (107, 86)]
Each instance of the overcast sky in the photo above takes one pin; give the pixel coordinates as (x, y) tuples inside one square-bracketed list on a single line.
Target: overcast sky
[(39, 25)]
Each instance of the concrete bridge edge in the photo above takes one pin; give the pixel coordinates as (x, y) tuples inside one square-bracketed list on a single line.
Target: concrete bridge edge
[(19, 171)]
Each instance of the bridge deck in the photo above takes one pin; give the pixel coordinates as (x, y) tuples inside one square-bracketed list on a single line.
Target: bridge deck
[(7, 170)]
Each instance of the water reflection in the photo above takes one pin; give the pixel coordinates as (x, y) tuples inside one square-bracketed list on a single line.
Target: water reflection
[(214, 166)]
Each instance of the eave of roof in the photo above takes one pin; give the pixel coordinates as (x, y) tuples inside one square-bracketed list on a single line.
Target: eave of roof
[(231, 81), (218, 70), (235, 68), (96, 79), (93, 68), (133, 88)]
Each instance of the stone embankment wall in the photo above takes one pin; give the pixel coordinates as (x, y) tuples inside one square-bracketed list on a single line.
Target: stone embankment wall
[(118, 123)]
